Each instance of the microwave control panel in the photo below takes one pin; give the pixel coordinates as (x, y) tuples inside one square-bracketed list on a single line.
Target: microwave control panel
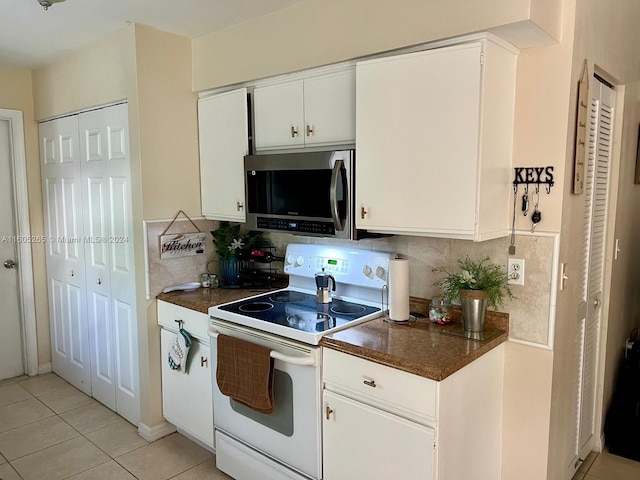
[(300, 226)]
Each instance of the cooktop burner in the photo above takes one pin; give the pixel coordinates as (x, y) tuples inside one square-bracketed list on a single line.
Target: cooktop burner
[(256, 307), (299, 310), (288, 296), (342, 308)]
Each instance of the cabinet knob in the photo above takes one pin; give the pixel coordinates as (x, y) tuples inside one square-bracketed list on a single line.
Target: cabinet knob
[(328, 412), (596, 303), (294, 132), (370, 383), (309, 130), (239, 206), (363, 212), (203, 361)]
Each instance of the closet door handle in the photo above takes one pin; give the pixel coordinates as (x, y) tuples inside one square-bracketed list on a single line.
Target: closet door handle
[(328, 412), (203, 361), (99, 281)]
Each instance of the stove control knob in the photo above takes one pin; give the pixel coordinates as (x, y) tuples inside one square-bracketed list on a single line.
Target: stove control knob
[(291, 259), (381, 273), (368, 271), (300, 261)]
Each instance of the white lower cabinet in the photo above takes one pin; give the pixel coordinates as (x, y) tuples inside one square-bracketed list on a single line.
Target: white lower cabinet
[(361, 441), (187, 397), (383, 423)]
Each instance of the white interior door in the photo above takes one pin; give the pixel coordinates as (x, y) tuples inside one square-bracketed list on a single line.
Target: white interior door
[(596, 192), (11, 340), (62, 192), (110, 271)]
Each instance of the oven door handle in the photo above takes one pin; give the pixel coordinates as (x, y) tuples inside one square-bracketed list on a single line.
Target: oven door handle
[(333, 195), (293, 360), (303, 361)]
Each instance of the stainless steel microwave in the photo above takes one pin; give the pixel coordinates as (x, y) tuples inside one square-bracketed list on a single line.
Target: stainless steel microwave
[(308, 193)]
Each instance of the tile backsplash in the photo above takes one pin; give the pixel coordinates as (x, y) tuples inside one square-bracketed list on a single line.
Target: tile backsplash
[(164, 273), (529, 313)]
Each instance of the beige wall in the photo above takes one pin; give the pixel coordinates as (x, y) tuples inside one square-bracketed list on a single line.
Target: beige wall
[(96, 75), (313, 33), (170, 170), (168, 124), (16, 94)]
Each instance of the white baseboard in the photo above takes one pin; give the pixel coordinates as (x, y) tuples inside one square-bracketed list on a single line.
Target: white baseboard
[(44, 368), (151, 434)]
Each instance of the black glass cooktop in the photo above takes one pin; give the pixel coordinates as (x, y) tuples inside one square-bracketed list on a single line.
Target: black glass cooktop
[(299, 310)]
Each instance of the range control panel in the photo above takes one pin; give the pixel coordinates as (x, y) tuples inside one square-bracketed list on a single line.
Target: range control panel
[(365, 268)]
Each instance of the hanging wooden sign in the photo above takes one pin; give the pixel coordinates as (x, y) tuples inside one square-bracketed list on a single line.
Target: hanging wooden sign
[(581, 131), (178, 245)]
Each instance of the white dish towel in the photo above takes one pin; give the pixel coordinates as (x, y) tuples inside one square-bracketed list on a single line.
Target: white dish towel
[(179, 351)]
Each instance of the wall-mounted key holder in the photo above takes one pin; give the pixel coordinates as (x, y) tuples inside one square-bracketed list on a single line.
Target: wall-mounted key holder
[(533, 176)]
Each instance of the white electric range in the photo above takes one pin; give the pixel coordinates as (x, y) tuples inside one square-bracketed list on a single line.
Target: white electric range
[(286, 444)]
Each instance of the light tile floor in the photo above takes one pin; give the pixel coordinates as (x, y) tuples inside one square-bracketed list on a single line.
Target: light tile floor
[(605, 466), (49, 430)]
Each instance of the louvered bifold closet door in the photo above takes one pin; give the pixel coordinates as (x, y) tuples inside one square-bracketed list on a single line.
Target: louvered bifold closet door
[(592, 269)]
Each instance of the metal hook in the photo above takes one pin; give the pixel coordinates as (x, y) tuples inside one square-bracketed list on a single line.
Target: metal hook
[(538, 189), (549, 185), (179, 322), (526, 188)]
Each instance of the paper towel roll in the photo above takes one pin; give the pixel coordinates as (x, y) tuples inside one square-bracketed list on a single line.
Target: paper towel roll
[(399, 289)]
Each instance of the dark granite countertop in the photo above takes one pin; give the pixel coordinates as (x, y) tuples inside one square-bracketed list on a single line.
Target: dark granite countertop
[(202, 298), (421, 347)]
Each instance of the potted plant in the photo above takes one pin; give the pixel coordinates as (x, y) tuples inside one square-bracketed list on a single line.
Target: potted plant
[(229, 240), (479, 284)]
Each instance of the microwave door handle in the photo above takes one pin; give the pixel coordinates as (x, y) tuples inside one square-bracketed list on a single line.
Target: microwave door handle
[(333, 194)]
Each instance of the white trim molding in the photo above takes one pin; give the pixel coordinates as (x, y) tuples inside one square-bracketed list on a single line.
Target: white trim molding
[(151, 434), (23, 229)]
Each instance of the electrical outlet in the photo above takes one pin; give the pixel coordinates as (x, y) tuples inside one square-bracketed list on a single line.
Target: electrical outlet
[(516, 271)]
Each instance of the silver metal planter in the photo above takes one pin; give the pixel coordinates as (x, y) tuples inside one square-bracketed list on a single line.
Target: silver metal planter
[(474, 308)]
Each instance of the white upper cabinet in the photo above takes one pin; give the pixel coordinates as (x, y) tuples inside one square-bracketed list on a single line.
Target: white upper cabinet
[(314, 111), (224, 140), (434, 141)]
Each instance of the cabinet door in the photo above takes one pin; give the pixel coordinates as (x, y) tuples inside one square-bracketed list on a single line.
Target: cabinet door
[(279, 115), (417, 130), (360, 441), (330, 108), (186, 398), (62, 195), (224, 140)]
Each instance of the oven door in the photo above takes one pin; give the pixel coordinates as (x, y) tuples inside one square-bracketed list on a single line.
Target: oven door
[(290, 436), (307, 193)]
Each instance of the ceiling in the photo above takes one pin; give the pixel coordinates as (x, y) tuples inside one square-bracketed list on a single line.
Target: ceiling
[(31, 37)]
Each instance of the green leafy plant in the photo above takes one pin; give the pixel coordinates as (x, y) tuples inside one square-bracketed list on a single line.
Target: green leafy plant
[(229, 240), (476, 275)]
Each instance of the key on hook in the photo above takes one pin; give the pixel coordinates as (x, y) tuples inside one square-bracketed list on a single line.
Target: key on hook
[(536, 216)]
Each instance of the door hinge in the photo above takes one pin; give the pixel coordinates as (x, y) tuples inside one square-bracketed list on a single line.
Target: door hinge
[(482, 59)]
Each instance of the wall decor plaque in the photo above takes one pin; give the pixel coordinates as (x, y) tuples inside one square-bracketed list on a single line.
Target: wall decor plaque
[(581, 130)]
